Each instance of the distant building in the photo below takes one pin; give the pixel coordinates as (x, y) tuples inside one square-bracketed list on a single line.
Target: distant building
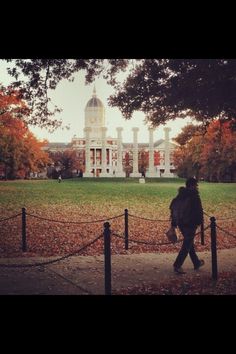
[(104, 156)]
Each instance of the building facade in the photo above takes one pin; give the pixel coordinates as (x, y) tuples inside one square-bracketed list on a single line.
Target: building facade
[(100, 155)]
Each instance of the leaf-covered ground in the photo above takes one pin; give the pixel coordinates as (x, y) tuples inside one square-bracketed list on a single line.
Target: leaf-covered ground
[(225, 285), (48, 238), (72, 202)]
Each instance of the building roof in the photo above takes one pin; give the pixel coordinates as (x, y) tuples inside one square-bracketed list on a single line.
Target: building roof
[(94, 101), (143, 145), (58, 145)]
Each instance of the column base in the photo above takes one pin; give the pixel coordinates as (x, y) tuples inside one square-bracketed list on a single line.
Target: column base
[(119, 174), (167, 174), (152, 175), (136, 174), (102, 174), (142, 180)]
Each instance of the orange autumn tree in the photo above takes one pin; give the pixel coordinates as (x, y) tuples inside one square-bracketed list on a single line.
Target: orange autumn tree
[(20, 151), (218, 157), (143, 161), (127, 163), (34, 159), (209, 154), (186, 156)]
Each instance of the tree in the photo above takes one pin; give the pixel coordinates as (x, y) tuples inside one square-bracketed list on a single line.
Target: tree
[(127, 163), (143, 161), (34, 158), (187, 156), (204, 89), (20, 151), (34, 78), (211, 155), (218, 156), (163, 89), (67, 161)]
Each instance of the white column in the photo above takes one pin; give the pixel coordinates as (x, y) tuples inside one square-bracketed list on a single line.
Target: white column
[(151, 171), (135, 172), (119, 172), (104, 153), (167, 172), (87, 173)]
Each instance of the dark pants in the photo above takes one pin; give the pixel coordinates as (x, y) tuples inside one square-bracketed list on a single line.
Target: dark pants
[(188, 233)]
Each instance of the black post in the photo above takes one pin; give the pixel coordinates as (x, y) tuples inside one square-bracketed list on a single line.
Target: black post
[(202, 233), (107, 257), (126, 230), (24, 246), (213, 248)]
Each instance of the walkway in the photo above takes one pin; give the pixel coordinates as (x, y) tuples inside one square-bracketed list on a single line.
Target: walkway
[(84, 275)]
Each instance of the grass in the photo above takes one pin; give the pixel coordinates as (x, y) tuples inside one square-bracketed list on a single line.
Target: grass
[(116, 192)]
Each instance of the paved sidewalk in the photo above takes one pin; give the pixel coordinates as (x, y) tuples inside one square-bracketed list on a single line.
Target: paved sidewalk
[(84, 275)]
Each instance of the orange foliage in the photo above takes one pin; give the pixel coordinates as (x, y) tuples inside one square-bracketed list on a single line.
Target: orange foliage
[(212, 156), (20, 151)]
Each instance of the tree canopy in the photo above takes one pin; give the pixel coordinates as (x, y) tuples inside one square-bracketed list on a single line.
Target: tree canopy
[(211, 156), (163, 89), (20, 151)]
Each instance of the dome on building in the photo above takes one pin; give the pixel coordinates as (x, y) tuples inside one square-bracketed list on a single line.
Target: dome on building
[(94, 101)]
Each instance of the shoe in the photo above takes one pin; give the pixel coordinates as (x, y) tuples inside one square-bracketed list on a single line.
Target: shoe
[(201, 263), (179, 270)]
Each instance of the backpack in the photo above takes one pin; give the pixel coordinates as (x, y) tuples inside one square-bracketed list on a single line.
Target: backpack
[(181, 211)]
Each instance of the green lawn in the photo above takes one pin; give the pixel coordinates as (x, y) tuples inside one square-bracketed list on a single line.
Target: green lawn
[(115, 193)]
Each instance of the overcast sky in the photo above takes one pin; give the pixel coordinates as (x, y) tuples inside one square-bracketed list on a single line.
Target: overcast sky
[(72, 97)]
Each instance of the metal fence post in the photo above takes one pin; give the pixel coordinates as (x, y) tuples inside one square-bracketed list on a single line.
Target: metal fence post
[(213, 248), (107, 257), (126, 230), (24, 246), (202, 233)]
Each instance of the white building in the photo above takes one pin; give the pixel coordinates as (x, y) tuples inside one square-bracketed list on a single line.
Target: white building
[(103, 156)]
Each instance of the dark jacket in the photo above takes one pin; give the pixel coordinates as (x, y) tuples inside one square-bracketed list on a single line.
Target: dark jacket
[(195, 211)]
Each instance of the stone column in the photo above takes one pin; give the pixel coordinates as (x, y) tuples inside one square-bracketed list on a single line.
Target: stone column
[(151, 171), (167, 172), (135, 172), (104, 153), (87, 173), (119, 172)]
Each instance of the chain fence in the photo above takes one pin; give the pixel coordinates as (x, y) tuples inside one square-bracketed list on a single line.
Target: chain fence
[(108, 233)]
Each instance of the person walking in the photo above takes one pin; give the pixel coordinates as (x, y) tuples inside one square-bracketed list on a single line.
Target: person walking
[(187, 214), (59, 179)]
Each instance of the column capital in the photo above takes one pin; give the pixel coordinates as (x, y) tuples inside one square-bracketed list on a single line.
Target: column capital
[(167, 129), (104, 129), (119, 129), (151, 129), (87, 129), (135, 129)]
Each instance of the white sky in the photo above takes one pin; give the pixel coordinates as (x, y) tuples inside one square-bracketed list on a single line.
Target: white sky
[(72, 97)]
